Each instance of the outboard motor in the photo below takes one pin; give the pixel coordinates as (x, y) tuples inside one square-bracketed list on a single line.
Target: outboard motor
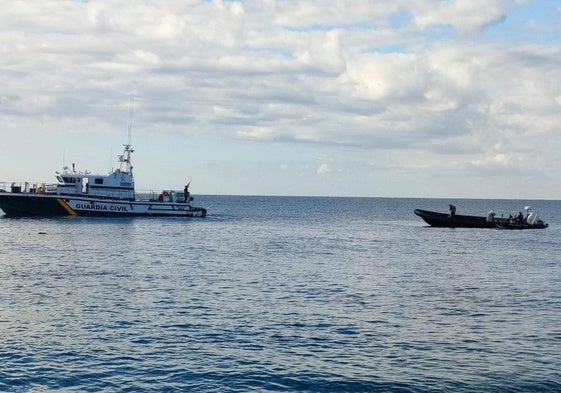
[(491, 216), (532, 218)]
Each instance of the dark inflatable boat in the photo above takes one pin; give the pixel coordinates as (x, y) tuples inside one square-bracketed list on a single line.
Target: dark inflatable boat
[(453, 220)]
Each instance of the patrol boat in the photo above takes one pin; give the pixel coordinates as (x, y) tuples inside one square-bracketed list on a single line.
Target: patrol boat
[(86, 194)]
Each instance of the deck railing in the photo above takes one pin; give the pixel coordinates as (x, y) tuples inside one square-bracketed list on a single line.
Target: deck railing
[(44, 188), (27, 187)]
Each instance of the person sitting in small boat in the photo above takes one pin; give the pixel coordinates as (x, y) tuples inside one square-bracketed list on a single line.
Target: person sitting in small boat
[(519, 218)]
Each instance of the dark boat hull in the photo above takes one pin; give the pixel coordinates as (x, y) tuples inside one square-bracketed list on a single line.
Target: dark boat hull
[(509, 225), (436, 219), (29, 205)]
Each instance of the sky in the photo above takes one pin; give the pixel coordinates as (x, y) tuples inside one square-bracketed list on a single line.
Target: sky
[(408, 98)]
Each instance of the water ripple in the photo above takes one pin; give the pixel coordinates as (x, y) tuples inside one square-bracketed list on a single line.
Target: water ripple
[(279, 294)]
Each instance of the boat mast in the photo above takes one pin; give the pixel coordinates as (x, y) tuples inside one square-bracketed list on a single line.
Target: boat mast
[(125, 160), (131, 116)]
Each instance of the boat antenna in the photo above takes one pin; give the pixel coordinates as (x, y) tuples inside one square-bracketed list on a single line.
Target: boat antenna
[(111, 160), (125, 158), (131, 117)]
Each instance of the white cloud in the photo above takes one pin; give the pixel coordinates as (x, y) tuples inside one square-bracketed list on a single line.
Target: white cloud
[(324, 169), (461, 14), (417, 79)]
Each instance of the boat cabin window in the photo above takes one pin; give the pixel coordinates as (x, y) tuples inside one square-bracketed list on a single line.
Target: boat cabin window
[(69, 179), (98, 180)]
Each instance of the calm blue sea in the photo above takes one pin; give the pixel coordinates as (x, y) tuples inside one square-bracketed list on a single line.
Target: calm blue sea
[(282, 294)]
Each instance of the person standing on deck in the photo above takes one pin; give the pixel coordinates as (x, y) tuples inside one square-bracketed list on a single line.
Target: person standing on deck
[(186, 192), (452, 212)]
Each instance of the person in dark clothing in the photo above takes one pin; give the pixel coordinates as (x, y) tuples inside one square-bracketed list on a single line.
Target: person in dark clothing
[(452, 212), (186, 192)]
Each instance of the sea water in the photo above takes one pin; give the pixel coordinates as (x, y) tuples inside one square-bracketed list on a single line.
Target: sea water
[(277, 294)]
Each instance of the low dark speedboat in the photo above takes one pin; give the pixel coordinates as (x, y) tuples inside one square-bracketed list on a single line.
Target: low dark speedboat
[(436, 219), (453, 220)]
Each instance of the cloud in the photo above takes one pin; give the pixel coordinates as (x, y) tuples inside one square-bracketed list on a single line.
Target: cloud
[(324, 169), (462, 15), (419, 76)]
